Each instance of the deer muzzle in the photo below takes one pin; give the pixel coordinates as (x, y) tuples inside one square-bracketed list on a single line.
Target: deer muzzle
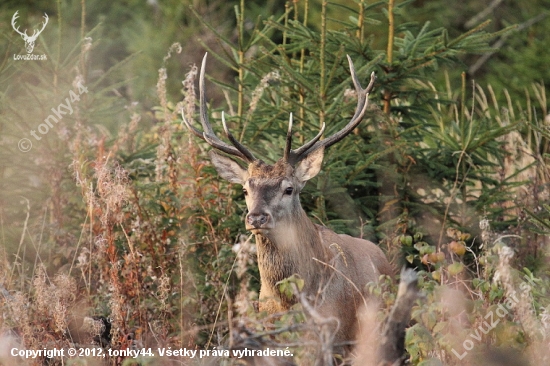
[(258, 221)]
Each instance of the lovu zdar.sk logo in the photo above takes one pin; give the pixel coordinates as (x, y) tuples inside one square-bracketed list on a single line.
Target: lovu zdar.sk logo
[(29, 40)]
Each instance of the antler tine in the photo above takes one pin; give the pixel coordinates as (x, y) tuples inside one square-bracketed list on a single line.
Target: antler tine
[(298, 152), (202, 99), (212, 141), (362, 104), (37, 32), (222, 146), (290, 156), (243, 150), (208, 135), (44, 23), (192, 128), (288, 145), (13, 20)]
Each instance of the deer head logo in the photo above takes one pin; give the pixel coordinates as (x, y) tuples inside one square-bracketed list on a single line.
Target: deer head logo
[(29, 40)]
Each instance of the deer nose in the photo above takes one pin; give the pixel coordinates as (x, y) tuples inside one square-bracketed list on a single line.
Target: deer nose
[(256, 220)]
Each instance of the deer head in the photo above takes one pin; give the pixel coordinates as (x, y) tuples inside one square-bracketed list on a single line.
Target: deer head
[(272, 191), (29, 40)]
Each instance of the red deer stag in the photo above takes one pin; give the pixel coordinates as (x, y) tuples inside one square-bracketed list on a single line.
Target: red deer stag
[(335, 267)]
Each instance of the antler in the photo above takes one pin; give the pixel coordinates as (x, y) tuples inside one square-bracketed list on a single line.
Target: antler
[(208, 134), (294, 156), (13, 19), (36, 33), (24, 34), (290, 156)]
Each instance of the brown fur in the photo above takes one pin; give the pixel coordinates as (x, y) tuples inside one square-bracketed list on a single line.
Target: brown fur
[(261, 170), (335, 267)]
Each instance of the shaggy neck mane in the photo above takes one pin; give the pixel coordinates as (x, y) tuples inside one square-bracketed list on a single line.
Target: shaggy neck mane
[(290, 251)]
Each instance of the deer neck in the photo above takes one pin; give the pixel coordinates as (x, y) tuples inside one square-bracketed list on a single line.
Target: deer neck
[(290, 250)]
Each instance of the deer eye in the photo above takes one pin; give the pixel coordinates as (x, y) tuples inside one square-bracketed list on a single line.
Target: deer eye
[(289, 191), (245, 192)]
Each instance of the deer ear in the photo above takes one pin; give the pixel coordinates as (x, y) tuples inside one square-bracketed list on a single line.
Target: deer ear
[(310, 166), (228, 168)]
